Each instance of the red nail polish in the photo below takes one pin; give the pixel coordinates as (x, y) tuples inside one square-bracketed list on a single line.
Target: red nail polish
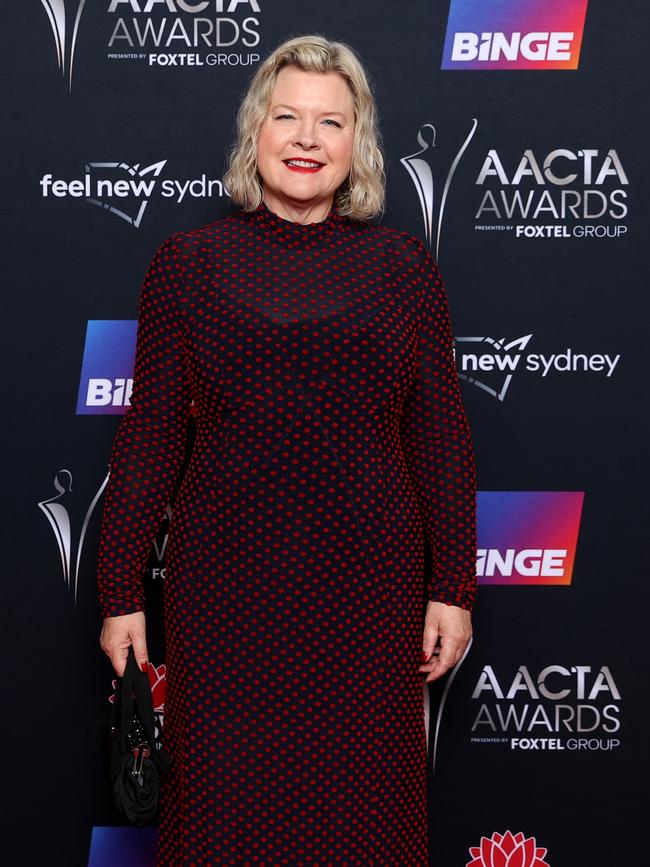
[(145, 667), (424, 656)]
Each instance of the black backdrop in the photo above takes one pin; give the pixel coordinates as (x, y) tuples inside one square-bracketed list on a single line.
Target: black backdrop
[(559, 753)]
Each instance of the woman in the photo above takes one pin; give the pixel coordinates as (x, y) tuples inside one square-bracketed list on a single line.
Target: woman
[(331, 443)]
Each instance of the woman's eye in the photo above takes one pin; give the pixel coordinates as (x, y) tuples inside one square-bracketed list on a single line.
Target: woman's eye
[(290, 117)]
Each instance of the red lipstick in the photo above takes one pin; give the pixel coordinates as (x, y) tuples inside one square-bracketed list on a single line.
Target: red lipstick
[(308, 169)]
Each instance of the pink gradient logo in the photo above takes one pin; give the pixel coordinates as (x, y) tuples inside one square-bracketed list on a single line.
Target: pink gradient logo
[(107, 367), (507, 850), (527, 537), (124, 845), (514, 34)]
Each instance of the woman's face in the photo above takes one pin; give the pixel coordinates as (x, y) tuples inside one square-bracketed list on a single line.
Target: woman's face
[(310, 117)]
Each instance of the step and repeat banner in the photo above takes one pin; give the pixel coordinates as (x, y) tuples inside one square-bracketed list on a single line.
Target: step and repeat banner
[(515, 134)]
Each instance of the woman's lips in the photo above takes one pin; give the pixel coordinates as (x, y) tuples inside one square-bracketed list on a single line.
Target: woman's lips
[(308, 169)]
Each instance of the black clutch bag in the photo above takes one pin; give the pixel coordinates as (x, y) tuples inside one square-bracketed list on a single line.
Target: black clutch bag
[(136, 760)]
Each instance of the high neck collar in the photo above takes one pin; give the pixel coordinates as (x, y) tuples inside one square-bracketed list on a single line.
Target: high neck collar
[(300, 234)]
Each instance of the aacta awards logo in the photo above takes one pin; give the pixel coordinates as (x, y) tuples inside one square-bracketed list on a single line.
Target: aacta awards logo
[(507, 850), (557, 194), (211, 32), (143, 30), (560, 708), (422, 166)]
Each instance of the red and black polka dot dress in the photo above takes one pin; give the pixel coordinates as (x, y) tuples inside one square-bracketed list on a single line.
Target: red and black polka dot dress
[(317, 363)]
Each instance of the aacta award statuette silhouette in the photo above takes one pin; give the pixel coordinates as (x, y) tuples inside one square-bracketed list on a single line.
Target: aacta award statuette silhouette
[(55, 10), (420, 166), (57, 510)]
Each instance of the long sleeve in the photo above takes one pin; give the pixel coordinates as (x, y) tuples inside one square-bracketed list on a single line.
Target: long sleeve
[(437, 441), (149, 444)]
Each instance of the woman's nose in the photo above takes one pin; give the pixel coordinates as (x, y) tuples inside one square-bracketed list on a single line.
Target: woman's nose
[(307, 135)]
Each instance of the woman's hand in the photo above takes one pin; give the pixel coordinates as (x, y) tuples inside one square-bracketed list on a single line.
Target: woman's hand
[(453, 626), (118, 634)]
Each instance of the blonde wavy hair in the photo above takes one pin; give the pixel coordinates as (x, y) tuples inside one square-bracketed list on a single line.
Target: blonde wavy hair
[(362, 195)]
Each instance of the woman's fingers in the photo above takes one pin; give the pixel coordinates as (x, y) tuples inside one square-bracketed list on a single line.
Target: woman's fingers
[(429, 639), (139, 640), (453, 625), (118, 661), (443, 659), (118, 634)]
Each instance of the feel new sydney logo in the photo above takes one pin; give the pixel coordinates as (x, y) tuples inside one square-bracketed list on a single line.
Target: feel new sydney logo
[(125, 190), (491, 363)]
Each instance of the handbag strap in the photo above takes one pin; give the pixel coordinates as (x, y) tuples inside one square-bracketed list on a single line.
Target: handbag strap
[(136, 690)]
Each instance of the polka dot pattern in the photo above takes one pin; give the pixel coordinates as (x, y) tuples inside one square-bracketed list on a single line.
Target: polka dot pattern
[(316, 361)]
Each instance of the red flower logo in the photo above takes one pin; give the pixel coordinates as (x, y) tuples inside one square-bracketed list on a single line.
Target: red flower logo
[(507, 850), (157, 683)]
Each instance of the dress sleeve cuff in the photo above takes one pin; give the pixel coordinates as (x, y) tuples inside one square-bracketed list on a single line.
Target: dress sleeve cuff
[(460, 596), (118, 607)]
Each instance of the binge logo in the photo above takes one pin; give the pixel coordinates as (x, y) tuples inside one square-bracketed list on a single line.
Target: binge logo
[(107, 367), (124, 845), (514, 34), (527, 537)]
